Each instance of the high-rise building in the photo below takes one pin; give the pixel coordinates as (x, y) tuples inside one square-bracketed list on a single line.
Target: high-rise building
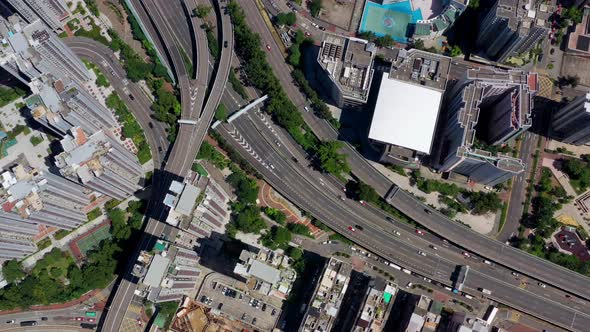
[(32, 50), (348, 67), (29, 196), (513, 27), (497, 104), (62, 104), (99, 162), (571, 124), (51, 12)]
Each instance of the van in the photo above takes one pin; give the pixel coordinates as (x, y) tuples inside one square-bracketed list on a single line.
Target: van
[(467, 296), (487, 262)]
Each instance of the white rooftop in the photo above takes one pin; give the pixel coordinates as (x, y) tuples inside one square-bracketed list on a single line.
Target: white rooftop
[(405, 115)]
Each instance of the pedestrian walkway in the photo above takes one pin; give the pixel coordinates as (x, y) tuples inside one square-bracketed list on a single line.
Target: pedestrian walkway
[(267, 197)]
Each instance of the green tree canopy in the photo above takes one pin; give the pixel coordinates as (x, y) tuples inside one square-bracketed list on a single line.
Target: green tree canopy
[(286, 18), (13, 271), (201, 11)]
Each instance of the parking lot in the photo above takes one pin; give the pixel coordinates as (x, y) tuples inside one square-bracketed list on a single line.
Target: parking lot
[(236, 304)]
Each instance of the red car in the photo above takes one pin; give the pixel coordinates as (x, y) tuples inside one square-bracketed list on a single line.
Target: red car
[(268, 47), (79, 319), (350, 228), (466, 254), (91, 320), (420, 232), (363, 202), (307, 34)]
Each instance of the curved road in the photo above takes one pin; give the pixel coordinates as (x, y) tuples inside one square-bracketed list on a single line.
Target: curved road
[(572, 282), (140, 106)]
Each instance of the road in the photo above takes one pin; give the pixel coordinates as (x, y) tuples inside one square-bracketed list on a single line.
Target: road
[(549, 273), (321, 199), (140, 106), (189, 138), (518, 191), (60, 319)]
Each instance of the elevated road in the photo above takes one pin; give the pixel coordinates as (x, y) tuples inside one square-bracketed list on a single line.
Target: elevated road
[(549, 273), (140, 105), (314, 193), (188, 141)]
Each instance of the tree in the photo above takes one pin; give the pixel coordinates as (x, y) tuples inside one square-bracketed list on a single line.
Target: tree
[(13, 271), (484, 202), (473, 4), (384, 41), (294, 55), (573, 14), (315, 7), (330, 160), (286, 18), (120, 229), (201, 11), (280, 235), (367, 193), (248, 220), (276, 215), (299, 229), (455, 51), (294, 253)]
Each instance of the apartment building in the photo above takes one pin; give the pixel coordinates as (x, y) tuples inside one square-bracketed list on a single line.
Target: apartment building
[(99, 162), (494, 104), (571, 123), (513, 27), (52, 12)]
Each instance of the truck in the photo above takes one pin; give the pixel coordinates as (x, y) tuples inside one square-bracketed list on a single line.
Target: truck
[(397, 267), (28, 323), (485, 291), (406, 271), (460, 274)]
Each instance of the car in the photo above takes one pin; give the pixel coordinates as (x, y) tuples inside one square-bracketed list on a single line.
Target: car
[(567, 296), (542, 285), (421, 253), (314, 25), (322, 28), (273, 312), (433, 247), (44, 318), (427, 280), (91, 320), (219, 306), (409, 285), (263, 307), (307, 34), (151, 125), (277, 143), (350, 228), (244, 316), (342, 198), (254, 321), (79, 319), (363, 202), (160, 149), (466, 254), (268, 47), (514, 274), (10, 321), (487, 262), (389, 219), (131, 97), (420, 232), (203, 299), (225, 44), (359, 227), (307, 110), (445, 243), (427, 211), (397, 233)]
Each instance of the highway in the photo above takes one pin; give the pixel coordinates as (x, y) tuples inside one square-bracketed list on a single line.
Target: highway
[(321, 199), (549, 273), (140, 106), (188, 142)]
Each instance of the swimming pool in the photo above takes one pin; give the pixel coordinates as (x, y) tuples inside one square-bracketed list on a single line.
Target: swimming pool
[(390, 19)]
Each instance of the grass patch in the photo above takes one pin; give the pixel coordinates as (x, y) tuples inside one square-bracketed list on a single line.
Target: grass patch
[(61, 234), (340, 238), (94, 214), (46, 242), (36, 140), (503, 216)]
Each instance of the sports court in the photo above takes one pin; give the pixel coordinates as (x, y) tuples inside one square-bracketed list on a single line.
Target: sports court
[(391, 19), (90, 240)]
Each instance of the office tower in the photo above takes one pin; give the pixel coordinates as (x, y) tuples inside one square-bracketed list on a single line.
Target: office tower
[(51, 12), (29, 196), (99, 162), (513, 27), (32, 50), (571, 124), (495, 104), (63, 104), (348, 67)]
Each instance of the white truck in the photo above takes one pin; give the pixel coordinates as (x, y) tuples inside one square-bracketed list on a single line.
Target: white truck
[(485, 291)]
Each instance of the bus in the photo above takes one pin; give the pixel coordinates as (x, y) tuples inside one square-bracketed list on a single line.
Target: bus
[(91, 314)]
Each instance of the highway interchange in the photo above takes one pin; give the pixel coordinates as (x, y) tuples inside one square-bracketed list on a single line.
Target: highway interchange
[(322, 198)]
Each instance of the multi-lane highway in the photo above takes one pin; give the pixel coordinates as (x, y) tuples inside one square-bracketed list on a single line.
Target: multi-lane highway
[(190, 136), (140, 105), (272, 157), (494, 250)]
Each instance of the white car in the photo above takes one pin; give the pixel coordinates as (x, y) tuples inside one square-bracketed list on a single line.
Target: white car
[(409, 285), (422, 253), (542, 285)]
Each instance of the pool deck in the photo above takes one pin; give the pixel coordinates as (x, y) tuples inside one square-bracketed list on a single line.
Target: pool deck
[(403, 8)]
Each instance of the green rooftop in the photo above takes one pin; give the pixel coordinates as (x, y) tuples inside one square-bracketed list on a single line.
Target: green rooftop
[(422, 29), (160, 320), (159, 246)]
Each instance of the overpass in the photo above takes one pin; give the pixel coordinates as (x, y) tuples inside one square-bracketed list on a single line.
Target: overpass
[(193, 94)]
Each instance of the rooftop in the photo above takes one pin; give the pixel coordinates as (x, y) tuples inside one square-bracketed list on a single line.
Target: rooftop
[(579, 39), (523, 15), (348, 62), (265, 272), (409, 100), (156, 271)]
